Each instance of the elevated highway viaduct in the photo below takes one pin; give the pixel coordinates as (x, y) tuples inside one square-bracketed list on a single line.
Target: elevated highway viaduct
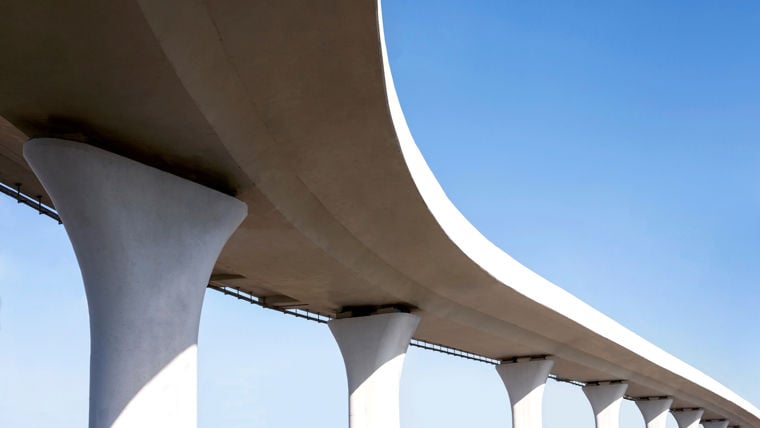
[(261, 145)]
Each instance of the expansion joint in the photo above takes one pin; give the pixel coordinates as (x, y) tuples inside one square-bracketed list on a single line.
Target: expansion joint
[(524, 358), (364, 311), (605, 382)]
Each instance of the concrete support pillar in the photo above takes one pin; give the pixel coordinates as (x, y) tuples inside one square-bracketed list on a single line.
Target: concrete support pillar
[(146, 242), (721, 423), (373, 349), (654, 411), (605, 399), (525, 382), (688, 418)]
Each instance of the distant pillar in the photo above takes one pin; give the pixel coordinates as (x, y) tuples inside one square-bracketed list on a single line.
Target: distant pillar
[(654, 411), (525, 382), (146, 242), (373, 348), (719, 423), (605, 399), (688, 418)]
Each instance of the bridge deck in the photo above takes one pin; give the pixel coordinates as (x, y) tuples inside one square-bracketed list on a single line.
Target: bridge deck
[(289, 106)]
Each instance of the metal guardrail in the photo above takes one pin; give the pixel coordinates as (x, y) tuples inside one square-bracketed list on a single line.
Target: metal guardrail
[(323, 319), (36, 202), (320, 318), (42, 209)]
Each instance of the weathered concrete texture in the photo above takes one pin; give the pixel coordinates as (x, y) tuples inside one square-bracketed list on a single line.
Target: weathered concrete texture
[(688, 418), (525, 383), (146, 242), (605, 401), (655, 412), (373, 349)]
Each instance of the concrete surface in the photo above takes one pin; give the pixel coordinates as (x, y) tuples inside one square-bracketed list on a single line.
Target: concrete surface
[(688, 418), (525, 381), (146, 242), (373, 349), (654, 411), (605, 400), (290, 107)]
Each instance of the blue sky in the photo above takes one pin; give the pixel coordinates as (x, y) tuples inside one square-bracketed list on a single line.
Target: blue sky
[(612, 147)]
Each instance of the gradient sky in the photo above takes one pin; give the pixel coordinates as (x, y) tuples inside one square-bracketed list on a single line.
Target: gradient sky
[(613, 147)]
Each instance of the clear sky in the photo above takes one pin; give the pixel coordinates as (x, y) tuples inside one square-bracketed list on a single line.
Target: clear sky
[(613, 147)]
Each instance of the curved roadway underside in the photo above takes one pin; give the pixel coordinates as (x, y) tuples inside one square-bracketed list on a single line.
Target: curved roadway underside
[(289, 105)]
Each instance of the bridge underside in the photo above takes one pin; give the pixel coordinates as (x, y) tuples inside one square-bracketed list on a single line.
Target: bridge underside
[(285, 105)]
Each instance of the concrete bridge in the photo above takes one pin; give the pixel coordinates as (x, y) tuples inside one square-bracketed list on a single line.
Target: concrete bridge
[(261, 145)]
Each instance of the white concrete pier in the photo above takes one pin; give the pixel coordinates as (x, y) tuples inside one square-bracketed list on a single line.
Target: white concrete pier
[(605, 399), (688, 418), (373, 348), (654, 411), (146, 242), (525, 381)]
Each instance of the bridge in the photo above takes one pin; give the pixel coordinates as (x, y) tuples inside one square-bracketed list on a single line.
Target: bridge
[(260, 147)]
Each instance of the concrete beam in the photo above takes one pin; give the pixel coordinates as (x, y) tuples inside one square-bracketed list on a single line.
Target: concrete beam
[(525, 381), (605, 399), (654, 410), (146, 242), (373, 348)]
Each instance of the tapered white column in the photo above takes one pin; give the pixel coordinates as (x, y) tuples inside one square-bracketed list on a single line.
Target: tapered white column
[(373, 349), (688, 418), (723, 423), (605, 401), (146, 242), (525, 382), (654, 411)]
